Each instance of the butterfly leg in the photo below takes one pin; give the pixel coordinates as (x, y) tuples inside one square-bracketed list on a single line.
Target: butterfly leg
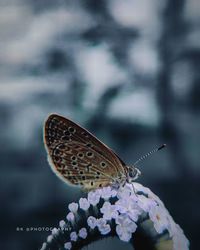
[(134, 189), (116, 184)]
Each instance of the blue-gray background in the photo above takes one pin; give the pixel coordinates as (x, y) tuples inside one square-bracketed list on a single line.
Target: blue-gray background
[(126, 70)]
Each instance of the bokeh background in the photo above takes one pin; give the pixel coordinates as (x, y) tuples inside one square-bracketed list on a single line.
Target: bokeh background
[(126, 70)]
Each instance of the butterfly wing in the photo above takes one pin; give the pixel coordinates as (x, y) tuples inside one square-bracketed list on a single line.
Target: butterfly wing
[(78, 157)]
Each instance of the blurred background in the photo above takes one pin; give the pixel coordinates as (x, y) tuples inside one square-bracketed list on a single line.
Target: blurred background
[(126, 70)]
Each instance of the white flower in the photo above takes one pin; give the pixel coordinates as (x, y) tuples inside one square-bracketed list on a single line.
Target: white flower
[(84, 204), (73, 207), (101, 222), (123, 192), (155, 198), (125, 227), (68, 245), (123, 234), (140, 188), (109, 211), (130, 186), (98, 191), (129, 207), (113, 192), (92, 222), (159, 217), (73, 236), (70, 216), (145, 203), (148, 192), (105, 229), (102, 226), (125, 222), (106, 192), (170, 225), (93, 197), (180, 242), (82, 233)]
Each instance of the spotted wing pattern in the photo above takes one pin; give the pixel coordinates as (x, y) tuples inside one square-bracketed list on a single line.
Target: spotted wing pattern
[(78, 157)]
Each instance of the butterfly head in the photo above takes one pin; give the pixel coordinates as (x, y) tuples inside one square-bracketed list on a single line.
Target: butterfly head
[(133, 173)]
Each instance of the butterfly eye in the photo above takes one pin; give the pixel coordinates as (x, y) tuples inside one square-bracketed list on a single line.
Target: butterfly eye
[(134, 173)]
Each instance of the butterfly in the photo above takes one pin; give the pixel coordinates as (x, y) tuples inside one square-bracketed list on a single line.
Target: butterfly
[(80, 159)]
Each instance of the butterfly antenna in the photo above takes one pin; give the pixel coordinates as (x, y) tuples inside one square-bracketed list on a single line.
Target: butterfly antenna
[(148, 154)]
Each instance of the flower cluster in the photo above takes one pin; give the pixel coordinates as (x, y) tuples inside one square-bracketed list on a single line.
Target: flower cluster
[(123, 206)]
